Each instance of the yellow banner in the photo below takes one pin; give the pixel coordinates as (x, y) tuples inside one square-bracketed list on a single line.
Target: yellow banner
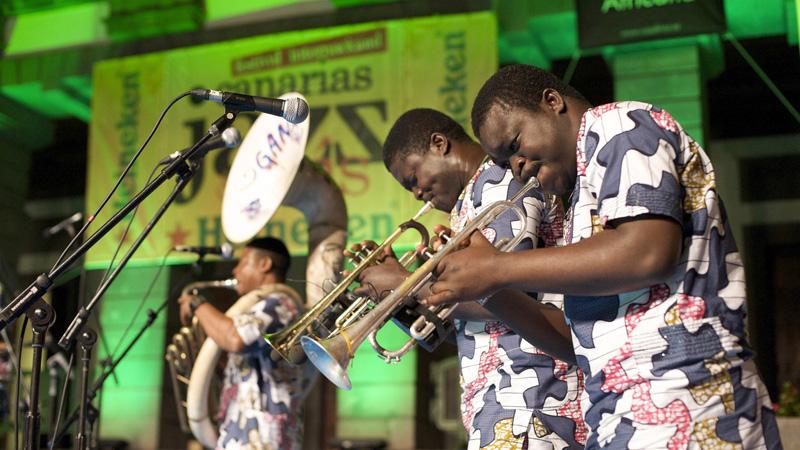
[(357, 79)]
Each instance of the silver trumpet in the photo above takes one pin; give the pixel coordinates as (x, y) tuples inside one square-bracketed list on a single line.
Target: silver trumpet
[(333, 355), (286, 342)]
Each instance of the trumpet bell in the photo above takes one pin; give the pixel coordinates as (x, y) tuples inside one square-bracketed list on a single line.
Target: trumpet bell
[(327, 362), (278, 345)]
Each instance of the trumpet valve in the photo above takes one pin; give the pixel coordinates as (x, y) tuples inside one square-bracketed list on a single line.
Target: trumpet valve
[(389, 359), (426, 254), (357, 257)]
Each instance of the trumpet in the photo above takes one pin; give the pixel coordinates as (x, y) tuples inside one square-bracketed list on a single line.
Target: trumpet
[(286, 342), (332, 355)]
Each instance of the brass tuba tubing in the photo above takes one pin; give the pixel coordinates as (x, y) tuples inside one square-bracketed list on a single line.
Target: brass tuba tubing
[(184, 348), (332, 356), (286, 342), (193, 288)]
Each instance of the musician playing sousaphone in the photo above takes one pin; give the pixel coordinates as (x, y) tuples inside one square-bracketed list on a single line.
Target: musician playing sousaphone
[(261, 405), (262, 399)]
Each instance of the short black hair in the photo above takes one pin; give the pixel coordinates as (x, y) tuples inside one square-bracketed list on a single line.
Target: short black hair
[(276, 250), (412, 131), (516, 85)]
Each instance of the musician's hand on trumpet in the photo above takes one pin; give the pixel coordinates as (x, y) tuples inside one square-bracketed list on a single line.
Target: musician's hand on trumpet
[(379, 279), (466, 274)]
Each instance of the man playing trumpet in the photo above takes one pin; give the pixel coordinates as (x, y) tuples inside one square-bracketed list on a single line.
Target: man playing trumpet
[(653, 282), (514, 395), (261, 405)]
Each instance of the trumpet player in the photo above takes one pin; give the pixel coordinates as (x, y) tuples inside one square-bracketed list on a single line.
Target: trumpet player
[(261, 405), (654, 284), (514, 395)]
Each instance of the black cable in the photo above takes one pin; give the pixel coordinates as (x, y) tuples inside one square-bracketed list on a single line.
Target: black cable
[(91, 218), (125, 233), (135, 315), (19, 382), (61, 402), (100, 333)]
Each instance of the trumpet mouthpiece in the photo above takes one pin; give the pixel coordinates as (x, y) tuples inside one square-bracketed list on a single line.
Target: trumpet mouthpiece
[(425, 208)]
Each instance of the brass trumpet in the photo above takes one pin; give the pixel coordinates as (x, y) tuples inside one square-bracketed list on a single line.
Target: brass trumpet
[(286, 342), (333, 355)]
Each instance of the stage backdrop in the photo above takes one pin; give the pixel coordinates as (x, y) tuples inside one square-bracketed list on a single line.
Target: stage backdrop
[(358, 79)]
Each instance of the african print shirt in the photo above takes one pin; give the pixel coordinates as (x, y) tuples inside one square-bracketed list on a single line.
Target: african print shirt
[(514, 396), (668, 366), (261, 406)]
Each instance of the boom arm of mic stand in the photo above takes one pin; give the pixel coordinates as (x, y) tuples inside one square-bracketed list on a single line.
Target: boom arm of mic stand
[(184, 176), (37, 289)]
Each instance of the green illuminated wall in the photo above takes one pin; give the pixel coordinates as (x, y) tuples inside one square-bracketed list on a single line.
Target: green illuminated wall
[(85, 23), (382, 402), (669, 77), (130, 410)]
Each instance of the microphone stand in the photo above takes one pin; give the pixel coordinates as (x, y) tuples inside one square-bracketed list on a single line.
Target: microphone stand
[(184, 176), (185, 171), (37, 289), (87, 340), (41, 317), (92, 393)]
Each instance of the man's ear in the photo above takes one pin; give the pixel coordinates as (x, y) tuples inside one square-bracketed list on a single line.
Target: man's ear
[(554, 101), (265, 264), (439, 144)]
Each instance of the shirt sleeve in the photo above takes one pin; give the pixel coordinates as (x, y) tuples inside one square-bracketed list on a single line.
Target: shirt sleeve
[(632, 164), (268, 315)]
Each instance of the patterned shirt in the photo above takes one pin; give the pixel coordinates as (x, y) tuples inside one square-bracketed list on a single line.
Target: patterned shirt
[(667, 366), (261, 406), (514, 395)]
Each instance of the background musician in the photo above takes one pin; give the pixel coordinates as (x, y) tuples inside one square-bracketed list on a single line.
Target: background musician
[(261, 405)]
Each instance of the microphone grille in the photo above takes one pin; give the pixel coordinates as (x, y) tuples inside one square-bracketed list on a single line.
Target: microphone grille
[(226, 247), (231, 137), (295, 110)]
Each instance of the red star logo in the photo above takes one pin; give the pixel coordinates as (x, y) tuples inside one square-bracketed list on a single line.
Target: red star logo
[(178, 236)]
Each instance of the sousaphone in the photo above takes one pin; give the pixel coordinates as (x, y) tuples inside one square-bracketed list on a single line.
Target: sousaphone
[(270, 170)]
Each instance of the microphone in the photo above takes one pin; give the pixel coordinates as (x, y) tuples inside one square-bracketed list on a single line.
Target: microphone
[(225, 251), (66, 224), (229, 138), (294, 110)]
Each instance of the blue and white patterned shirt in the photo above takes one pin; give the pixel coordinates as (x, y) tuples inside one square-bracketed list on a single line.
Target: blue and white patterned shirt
[(514, 395), (261, 406), (668, 366)]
